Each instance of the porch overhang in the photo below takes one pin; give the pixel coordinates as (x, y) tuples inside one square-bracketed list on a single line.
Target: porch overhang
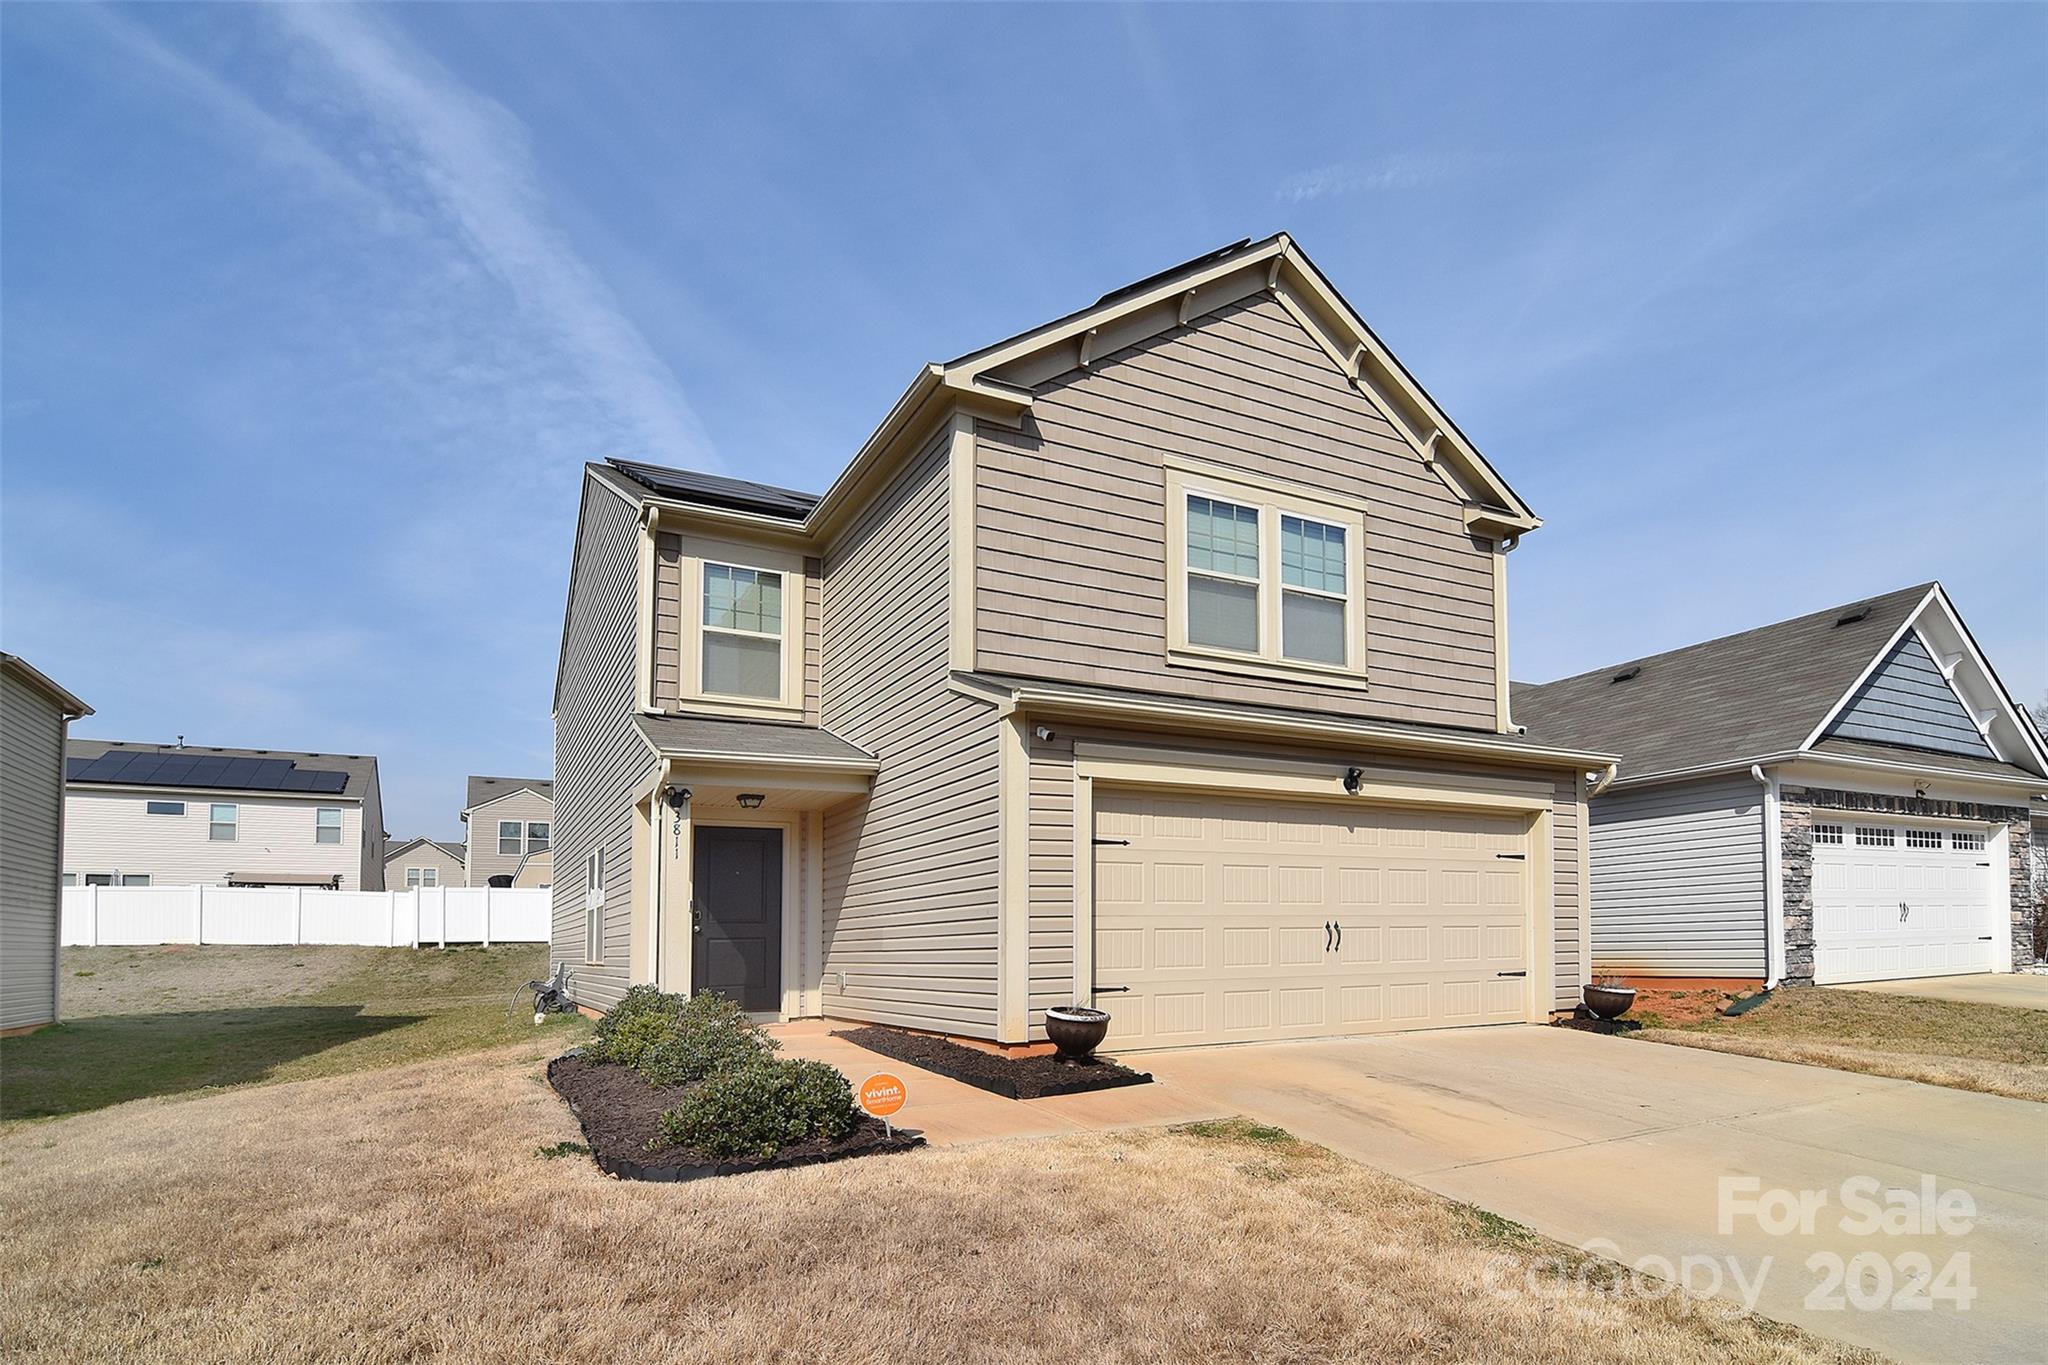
[(789, 767)]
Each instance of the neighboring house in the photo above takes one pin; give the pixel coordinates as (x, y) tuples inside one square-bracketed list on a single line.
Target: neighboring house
[(35, 718), (181, 815), (1154, 657), (1839, 797), (505, 818), (536, 870), (423, 862)]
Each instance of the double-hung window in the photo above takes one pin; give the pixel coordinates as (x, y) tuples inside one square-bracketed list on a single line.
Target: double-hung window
[(742, 620), (508, 838), (422, 876), (327, 825), (536, 836), (222, 823), (1264, 578)]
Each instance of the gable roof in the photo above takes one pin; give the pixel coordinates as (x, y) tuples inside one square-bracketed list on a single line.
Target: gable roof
[(1739, 699), (34, 678), (206, 767), (455, 851), (998, 379), (484, 790)]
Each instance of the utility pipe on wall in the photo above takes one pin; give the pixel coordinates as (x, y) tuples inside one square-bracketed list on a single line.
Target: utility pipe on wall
[(1774, 880)]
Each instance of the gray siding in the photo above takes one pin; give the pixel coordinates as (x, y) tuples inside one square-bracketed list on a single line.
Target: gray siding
[(1678, 879), (600, 759), (1907, 701), (910, 871), (31, 835), (1071, 541), (1052, 854)]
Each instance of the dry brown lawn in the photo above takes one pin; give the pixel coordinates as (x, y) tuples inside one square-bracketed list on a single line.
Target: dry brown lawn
[(409, 1213), (1961, 1044)]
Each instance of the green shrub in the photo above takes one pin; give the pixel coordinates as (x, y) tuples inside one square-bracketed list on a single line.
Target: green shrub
[(645, 1018), (761, 1108), (707, 1035)]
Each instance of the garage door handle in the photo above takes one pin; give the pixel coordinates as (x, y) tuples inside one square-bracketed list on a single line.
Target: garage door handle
[(1512, 857), (1511, 973), (1112, 990), (1112, 843), (1340, 938), (1329, 930)]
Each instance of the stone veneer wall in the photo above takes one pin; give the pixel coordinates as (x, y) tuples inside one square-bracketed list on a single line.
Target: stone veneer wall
[(1796, 806)]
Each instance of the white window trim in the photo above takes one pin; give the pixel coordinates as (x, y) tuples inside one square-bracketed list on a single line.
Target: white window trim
[(698, 551), (234, 822), (518, 839), (1185, 479), (547, 840), (339, 826), (417, 877)]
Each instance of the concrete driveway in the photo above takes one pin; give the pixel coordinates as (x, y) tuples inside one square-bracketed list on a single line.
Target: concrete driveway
[(1622, 1147), (2019, 990)]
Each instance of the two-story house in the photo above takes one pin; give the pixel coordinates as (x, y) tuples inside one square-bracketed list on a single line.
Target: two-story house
[(183, 815), (508, 824), (1154, 658)]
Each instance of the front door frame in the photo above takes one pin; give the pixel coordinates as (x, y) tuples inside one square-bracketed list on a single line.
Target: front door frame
[(1168, 768), (670, 945)]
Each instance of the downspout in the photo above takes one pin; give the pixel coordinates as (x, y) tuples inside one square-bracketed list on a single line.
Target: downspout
[(1774, 880)]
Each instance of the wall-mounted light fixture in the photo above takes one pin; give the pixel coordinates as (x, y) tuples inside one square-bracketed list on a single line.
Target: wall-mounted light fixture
[(751, 800), (1043, 733), (1354, 778), (678, 797)]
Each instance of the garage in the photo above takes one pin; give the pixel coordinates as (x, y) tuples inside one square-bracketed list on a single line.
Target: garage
[(1226, 920), (1896, 899)]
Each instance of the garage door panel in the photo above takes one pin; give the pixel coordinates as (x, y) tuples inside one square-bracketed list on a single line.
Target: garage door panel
[(1898, 899), (1218, 919)]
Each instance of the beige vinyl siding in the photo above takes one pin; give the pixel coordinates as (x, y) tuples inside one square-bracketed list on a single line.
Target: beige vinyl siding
[(1071, 520), (1053, 851), (429, 854), (31, 835), (670, 621), (110, 830), (485, 862), (1678, 879), (600, 759), (910, 870)]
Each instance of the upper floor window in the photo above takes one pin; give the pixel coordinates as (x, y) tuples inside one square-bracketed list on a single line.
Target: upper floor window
[(1262, 578), (166, 808), (508, 838), (536, 836), (223, 822), (742, 632), (327, 825), (422, 876)]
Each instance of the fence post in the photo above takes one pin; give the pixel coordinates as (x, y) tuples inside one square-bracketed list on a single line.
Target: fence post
[(487, 916), (199, 914), (93, 900), (298, 916), (390, 918), (444, 919)]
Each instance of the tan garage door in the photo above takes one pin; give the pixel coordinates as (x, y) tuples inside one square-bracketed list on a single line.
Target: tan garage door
[(1223, 920)]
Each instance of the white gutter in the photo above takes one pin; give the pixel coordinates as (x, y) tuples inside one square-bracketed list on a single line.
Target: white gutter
[(1774, 880), (1822, 756)]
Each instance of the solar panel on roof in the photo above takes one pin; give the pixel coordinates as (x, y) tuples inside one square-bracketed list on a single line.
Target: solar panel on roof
[(137, 768), (687, 485)]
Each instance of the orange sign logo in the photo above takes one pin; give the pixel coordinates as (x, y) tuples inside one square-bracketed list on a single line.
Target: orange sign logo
[(882, 1094)]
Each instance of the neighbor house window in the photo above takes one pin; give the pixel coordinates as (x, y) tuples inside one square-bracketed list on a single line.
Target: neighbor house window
[(593, 908), (222, 822), (422, 876), (1970, 843), (327, 825), (1923, 838), (166, 808), (70, 879), (536, 836), (1873, 837), (742, 632), (1827, 834), (1262, 579), (135, 879), (99, 879), (508, 837)]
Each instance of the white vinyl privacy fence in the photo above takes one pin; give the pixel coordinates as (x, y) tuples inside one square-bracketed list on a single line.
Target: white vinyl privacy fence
[(429, 917)]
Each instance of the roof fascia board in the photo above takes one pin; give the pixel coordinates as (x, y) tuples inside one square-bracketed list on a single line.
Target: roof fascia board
[(860, 767), (1863, 676), (1056, 701), (71, 706), (723, 520), (506, 796), (1130, 321), (1821, 756)]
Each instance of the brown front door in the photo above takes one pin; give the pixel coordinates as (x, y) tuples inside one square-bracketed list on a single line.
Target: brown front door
[(738, 915)]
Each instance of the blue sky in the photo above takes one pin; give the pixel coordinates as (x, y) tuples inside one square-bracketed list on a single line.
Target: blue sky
[(312, 314)]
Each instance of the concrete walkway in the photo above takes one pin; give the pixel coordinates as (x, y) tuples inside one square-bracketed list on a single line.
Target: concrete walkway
[(2018, 990), (1621, 1146), (948, 1112)]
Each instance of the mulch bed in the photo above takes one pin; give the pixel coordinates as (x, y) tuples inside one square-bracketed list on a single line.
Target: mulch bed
[(1016, 1078), (1589, 1024), (620, 1113)]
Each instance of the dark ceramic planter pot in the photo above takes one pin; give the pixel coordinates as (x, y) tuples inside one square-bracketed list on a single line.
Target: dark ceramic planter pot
[(1610, 1002), (1076, 1031)]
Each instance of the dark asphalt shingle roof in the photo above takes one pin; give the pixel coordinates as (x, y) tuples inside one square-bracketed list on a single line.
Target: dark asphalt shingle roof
[(749, 739), (482, 789), (358, 770), (455, 851), (1735, 699)]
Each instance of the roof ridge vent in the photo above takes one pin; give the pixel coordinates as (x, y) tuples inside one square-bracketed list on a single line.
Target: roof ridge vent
[(1626, 674), (1853, 615)]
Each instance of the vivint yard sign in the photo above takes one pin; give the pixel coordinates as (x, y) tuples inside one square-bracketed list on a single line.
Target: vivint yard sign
[(882, 1095)]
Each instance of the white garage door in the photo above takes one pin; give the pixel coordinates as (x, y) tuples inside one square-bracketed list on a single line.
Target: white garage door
[(1898, 898), (1232, 921)]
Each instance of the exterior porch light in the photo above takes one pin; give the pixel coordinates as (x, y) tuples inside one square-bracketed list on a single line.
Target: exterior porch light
[(1354, 778), (751, 800)]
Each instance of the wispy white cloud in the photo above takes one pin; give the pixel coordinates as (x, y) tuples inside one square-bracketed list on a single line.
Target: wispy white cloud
[(1398, 171)]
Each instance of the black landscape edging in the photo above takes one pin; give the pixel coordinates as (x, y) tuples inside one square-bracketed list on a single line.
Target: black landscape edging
[(937, 1055), (623, 1168)]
